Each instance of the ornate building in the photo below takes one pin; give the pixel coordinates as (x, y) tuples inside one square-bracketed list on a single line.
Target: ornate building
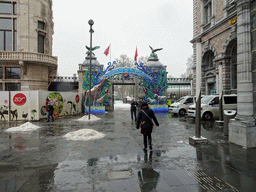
[(224, 45), (26, 29)]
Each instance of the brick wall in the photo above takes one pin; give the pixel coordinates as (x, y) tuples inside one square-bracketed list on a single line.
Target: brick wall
[(219, 9), (197, 16)]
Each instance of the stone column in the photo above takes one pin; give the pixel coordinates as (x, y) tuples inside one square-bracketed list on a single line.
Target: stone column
[(253, 35), (242, 128), (220, 91), (244, 73)]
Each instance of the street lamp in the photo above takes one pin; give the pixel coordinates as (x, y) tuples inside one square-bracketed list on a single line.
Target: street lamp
[(90, 22)]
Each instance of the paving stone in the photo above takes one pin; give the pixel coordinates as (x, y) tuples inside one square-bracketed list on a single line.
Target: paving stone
[(129, 185), (184, 177), (170, 178)]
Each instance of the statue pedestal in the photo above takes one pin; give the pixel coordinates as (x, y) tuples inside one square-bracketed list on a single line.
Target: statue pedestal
[(242, 133)]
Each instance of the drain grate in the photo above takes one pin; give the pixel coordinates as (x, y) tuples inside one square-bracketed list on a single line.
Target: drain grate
[(125, 174)]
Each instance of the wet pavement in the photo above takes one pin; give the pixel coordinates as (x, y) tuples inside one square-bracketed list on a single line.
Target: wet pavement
[(43, 160)]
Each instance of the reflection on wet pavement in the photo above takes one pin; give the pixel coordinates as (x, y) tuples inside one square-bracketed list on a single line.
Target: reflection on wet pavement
[(147, 176), (43, 160)]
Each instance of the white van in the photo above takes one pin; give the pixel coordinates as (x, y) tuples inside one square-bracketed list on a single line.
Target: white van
[(210, 106), (181, 106)]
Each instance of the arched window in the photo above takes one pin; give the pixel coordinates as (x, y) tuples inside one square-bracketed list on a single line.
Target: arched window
[(208, 59)]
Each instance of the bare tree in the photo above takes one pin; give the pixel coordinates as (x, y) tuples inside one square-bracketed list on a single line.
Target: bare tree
[(123, 61), (142, 59), (190, 65)]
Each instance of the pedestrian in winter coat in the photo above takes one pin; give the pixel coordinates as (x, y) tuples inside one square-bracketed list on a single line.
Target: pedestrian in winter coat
[(47, 108), (50, 109), (133, 109), (146, 117)]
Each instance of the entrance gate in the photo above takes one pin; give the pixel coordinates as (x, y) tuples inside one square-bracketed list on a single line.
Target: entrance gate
[(153, 81)]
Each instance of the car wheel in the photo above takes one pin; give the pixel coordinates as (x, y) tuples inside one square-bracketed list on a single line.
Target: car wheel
[(207, 116), (182, 112)]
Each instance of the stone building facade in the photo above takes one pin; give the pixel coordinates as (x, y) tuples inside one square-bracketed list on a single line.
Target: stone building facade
[(224, 45), (26, 29)]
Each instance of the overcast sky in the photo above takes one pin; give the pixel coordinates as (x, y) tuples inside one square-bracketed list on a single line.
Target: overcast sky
[(166, 24)]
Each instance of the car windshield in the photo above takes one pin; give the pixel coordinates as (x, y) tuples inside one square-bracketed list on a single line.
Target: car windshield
[(206, 99), (181, 100)]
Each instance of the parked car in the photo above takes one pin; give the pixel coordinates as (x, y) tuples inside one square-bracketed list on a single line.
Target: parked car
[(180, 107), (210, 106)]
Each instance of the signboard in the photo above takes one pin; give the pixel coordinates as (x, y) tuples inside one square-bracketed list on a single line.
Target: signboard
[(126, 70), (77, 98), (19, 99)]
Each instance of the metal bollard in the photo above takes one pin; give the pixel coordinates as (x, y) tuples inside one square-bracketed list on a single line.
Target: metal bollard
[(228, 114)]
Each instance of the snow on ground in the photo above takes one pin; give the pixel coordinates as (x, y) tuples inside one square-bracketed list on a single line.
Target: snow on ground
[(85, 118), (120, 105), (84, 135), (24, 127)]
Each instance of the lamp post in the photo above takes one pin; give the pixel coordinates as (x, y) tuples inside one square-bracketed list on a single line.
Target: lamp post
[(90, 22), (198, 139)]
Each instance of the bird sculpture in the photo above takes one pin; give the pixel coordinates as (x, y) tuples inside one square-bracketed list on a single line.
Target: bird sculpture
[(89, 52), (153, 54)]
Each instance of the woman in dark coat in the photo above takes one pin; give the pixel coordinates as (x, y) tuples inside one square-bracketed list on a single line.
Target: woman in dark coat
[(145, 118)]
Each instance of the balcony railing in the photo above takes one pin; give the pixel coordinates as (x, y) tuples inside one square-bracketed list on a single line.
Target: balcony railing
[(63, 79), (27, 56)]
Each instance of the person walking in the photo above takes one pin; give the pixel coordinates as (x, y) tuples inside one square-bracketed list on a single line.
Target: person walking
[(51, 109), (139, 104), (145, 119), (133, 109), (47, 108), (169, 102)]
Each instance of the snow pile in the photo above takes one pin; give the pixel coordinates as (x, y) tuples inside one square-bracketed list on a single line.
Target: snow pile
[(84, 135), (85, 118), (24, 127), (121, 105)]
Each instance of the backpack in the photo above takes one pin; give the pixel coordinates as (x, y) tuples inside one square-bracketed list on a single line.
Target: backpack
[(50, 108)]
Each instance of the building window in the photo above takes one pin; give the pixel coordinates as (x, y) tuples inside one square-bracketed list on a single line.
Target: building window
[(207, 11), (12, 87), (231, 6), (231, 2), (1, 87), (12, 73), (8, 27), (208, 59), (1, 72), (41, 25), (8, 34), (40, 40), (8, 8), (41, 36)]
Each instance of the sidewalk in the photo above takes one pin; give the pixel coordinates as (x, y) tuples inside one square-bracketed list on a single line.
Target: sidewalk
[(45, 161)]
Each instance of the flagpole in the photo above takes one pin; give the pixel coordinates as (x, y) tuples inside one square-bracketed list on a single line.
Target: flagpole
[(136, 54), (110, 52)]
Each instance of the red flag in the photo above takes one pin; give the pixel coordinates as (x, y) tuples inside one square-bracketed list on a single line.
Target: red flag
[(136, 55), (106, 52)]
